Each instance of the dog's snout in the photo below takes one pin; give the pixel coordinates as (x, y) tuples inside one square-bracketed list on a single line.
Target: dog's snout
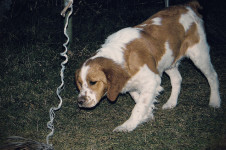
[(81, 100)]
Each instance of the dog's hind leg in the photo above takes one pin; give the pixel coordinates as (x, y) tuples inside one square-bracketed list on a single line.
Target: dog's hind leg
[(199, 54), (175, 79)]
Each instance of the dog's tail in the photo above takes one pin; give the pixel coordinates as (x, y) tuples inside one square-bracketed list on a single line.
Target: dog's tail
[(194, 5)]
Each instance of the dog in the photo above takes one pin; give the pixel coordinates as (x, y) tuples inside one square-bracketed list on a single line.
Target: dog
[(133, 60)]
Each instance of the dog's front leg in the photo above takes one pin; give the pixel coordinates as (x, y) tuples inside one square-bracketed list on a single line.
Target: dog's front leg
[(135, 95), (142, 112), (148, 89)]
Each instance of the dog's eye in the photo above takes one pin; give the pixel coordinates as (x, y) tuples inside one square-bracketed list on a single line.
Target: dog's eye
[(92, 82)]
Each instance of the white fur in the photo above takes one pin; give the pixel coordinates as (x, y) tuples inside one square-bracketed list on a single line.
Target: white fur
[(166, 60), (157, 21), (84, 72), (143, 25), (113, 48), (86, 91), (199, 54), (176, 79), (188, 18), (143, 86)]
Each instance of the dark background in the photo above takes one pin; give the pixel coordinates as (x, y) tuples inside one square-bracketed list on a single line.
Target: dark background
[(31, 38)]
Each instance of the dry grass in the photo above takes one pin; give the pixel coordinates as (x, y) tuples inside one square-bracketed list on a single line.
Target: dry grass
[(30, 74)]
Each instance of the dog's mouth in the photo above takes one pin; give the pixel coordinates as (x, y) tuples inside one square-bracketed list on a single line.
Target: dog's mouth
[(85, 102)]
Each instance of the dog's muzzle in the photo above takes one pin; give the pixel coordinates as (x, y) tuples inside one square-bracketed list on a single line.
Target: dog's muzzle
[(86, 101), (81, 101)]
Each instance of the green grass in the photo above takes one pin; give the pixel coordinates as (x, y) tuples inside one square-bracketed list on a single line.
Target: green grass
[(30, 65)]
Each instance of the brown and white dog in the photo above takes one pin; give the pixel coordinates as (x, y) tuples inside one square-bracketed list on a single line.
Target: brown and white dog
[(133, 60)]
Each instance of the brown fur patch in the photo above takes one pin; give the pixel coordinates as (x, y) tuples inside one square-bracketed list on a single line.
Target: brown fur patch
[(78, 79), (115, 75), (190, 39), (154, 37), (138, 53)]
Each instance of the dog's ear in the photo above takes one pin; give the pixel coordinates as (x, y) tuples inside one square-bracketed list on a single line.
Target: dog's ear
[(116, 79), (76, 79)]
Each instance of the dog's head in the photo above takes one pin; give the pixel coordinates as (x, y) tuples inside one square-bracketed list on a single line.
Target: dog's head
[(96, 78)]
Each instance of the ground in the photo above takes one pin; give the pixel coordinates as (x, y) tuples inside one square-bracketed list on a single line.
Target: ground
[(31, 40)]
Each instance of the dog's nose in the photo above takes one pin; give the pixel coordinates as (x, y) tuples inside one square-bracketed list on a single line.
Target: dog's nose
[(81, 100)]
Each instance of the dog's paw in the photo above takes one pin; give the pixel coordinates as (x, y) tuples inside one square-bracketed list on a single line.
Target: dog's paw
[(169, 105), (214, 104), (159, 90), (124, 128), (215, 101)]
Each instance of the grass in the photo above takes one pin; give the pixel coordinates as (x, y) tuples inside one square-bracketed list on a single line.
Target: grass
[(30, 65)]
